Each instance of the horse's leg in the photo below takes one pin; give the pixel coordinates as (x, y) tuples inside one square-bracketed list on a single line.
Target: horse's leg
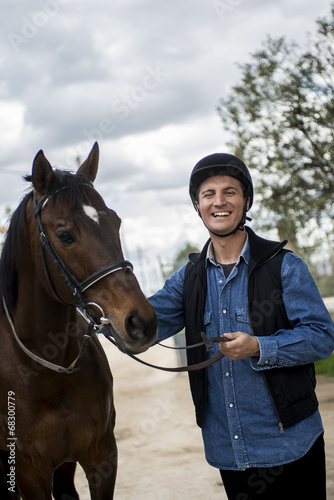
[(8, 491), (63, 482), (101, 473), (34, 478)]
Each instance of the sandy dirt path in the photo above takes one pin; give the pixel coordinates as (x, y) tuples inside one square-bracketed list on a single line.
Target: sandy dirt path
[(160, 447)]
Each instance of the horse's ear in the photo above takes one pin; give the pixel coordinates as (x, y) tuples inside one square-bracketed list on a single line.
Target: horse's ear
[(41, 173), (89, 166)]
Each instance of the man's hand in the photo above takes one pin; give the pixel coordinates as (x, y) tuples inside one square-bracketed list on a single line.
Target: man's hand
[(240, 345)]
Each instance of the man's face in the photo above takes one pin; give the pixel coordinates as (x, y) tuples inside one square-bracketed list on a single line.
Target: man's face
[(221, 203)]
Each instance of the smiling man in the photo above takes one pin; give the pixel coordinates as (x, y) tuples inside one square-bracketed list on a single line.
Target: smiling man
[(256, 406), (222, 203)]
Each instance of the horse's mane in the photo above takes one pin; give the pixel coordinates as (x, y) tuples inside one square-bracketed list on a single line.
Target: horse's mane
[(65, 188), (9, 254)]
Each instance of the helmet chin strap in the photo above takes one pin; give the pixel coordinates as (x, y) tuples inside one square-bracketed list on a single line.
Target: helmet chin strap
[(240, 227)]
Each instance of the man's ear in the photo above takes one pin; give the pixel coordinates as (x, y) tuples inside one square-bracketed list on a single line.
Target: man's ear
[(248, 203)]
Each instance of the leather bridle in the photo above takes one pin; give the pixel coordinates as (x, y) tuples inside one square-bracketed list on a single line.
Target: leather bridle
[(76, 287)]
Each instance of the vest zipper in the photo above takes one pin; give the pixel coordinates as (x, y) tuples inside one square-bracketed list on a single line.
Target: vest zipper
[(280, 425)]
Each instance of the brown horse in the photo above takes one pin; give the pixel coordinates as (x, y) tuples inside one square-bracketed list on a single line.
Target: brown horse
[(63, 250)]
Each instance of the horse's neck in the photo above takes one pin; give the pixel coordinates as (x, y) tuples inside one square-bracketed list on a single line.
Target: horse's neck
[(44, 324)]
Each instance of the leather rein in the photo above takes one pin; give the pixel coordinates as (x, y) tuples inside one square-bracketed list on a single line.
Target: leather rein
[(78, 288), (188, 368)]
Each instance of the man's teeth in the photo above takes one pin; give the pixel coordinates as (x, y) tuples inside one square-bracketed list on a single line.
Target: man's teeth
[(221, 214)]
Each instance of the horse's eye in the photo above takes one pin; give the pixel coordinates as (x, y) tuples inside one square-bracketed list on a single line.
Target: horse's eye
[(65, 237)]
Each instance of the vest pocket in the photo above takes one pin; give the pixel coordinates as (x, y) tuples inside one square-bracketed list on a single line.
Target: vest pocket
[(207, 318), (208, 329)]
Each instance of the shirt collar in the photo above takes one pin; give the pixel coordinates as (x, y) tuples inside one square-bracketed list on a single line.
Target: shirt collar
[(244, 255)]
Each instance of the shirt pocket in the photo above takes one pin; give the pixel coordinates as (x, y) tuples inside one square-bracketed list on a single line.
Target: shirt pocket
[(242, 319)]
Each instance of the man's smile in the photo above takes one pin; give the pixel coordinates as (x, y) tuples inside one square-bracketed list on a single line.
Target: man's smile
[(221, 214)]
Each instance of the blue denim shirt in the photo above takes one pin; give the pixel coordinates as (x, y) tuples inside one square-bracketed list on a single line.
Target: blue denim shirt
[(241, 426)]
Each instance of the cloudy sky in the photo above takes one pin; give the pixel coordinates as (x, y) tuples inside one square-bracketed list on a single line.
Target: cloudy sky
[(143, 78)]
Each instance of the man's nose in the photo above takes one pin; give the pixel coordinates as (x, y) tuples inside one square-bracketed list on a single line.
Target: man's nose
[(220, 199)]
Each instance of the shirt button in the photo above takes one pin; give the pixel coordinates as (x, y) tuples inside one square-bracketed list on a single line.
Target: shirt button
[(220, 282), (231, 405), (236, 436), (224, 311), (266, 362), (227, 374)]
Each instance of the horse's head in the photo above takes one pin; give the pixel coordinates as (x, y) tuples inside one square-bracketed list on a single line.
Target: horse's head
[(85, 236)]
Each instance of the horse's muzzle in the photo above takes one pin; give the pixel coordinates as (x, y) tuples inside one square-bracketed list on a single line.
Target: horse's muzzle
[(141, 332), (138, 335)]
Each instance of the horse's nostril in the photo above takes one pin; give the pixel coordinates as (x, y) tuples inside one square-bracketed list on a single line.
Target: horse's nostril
[(135, 326)]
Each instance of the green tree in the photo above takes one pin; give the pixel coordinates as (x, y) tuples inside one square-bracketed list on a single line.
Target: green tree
[(281, 120), (3, 228), (180, 259), (182, 256)]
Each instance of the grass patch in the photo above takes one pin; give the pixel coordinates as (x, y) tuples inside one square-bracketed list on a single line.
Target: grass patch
[(325, 366)]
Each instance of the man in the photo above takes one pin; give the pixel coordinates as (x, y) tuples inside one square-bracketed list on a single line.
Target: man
[(257, 407)]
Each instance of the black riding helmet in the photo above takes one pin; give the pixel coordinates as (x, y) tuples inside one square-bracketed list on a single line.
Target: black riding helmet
[(222, 164)]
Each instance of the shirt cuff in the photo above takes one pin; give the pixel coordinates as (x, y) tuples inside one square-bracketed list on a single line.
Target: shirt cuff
[(268, 354)]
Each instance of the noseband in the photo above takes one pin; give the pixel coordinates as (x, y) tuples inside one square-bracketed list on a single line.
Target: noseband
[(76, 287)]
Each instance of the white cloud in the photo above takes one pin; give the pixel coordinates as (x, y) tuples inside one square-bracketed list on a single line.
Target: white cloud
[(12, 121)]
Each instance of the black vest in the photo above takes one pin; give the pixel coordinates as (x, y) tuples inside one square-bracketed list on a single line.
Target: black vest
[(291, 389)]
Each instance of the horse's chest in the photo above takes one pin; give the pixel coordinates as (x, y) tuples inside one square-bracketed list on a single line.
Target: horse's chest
[(62, 431), (67, 421)]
